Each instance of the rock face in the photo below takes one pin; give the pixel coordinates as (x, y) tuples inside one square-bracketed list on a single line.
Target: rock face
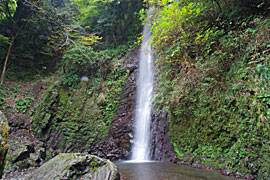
[(120, 141), (4, 131), (75, 166), (72, 120), (67, 121), (118, 145), (161, 148)]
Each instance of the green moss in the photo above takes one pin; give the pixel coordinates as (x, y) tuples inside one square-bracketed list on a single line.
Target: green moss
[(95, 169), (63, 96), (93, 163)]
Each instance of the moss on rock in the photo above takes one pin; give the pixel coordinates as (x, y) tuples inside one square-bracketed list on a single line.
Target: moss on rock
[(71, 119), (76, 166), (4, 132), (67, 118)]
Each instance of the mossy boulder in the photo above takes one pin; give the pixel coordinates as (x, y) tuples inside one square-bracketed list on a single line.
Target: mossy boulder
[(75, 166), (4, 132), (68, 119)]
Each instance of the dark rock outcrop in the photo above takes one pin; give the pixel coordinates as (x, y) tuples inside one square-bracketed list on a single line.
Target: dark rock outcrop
[(4, 132), (161, 148), (75, 166)]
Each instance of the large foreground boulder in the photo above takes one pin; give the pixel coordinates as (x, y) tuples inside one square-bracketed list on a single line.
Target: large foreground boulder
[(76, 166), (4, 131)]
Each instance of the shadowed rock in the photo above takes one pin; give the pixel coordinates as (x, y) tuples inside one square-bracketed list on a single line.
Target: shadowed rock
[(24, 151)]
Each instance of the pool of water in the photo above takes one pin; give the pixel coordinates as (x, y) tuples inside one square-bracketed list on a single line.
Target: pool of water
[(165, 171)]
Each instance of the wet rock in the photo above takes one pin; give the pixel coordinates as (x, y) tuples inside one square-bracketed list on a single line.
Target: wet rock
[(161, 148), (4, 131), (75, 166)]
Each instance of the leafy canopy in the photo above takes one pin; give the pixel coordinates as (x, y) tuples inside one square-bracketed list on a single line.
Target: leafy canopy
[(7, 8)]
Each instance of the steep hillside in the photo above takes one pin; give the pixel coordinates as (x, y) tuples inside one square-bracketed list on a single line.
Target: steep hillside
[(213, 79)]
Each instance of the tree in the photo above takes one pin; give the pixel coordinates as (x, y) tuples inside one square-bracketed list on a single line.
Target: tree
[(50, 25), (116, 21), (14, 11)]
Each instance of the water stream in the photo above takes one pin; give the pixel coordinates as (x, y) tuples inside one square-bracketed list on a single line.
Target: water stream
[(140, 151)]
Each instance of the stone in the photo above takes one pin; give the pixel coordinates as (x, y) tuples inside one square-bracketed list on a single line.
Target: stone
[(161, 148), (84, 78), (118, 144), (75, 166), (4, 132), (24, 151), (21, 151)]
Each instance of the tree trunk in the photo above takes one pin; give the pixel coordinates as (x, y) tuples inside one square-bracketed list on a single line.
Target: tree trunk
[(6, 59)]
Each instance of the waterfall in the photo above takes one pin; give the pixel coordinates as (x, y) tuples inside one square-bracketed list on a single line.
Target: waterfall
[(141, 148)]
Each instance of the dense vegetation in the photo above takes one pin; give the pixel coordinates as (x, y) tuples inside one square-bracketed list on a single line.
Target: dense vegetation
[(213, 65), (69, 39), (37, 34)]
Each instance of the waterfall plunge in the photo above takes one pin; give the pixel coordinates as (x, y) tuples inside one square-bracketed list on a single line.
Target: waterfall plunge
[(140, 151)]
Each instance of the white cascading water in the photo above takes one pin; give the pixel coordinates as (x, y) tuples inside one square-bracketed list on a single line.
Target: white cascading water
[(140, 151)]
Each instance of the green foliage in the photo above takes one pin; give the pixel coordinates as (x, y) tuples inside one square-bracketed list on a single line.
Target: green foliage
[(82, 113), (2, 101), (22, 104), (45, 30), (79, 55), (7, 8), (110, 98), (80, 60), (89, 10), (216, 89), (2, 97), (50, 29), (70, 79), (4, 41), (179, 32), (116, 21)]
